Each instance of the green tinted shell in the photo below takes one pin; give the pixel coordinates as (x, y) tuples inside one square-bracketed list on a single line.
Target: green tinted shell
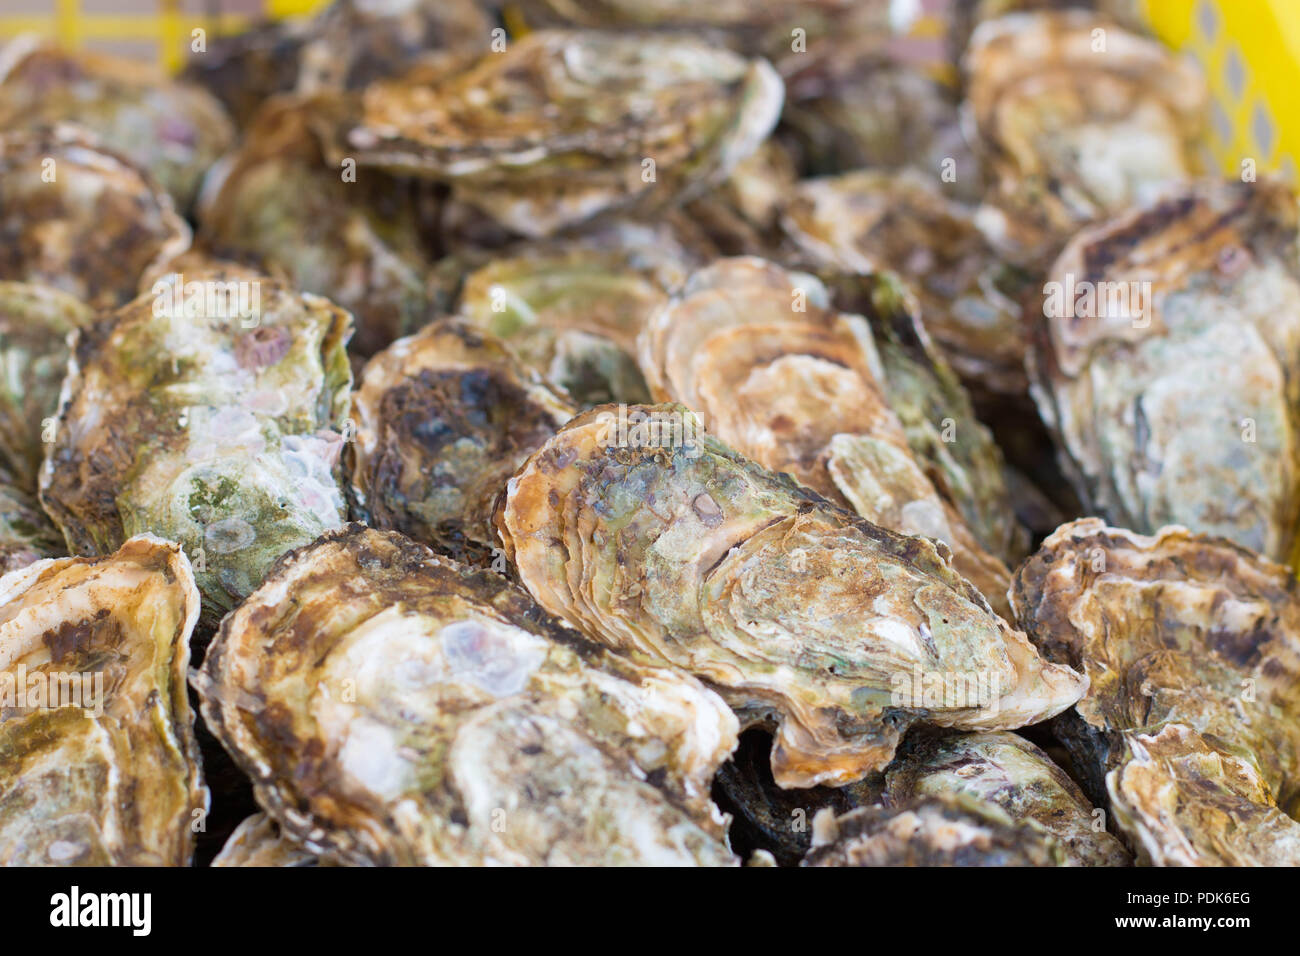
[(210, 410)]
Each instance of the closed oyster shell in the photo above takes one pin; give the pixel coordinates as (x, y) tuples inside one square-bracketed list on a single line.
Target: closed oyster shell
[(34, 325), (443, 418), (276, 203), (1193, 713), (114, 778), (1011, 773), (571, 309), (565, 125), (662, 543), (1202, 287), (258, 841), (867, 221), (1069, 132), (215, 420), (79, 217), (787, 380), (174, 130), (948, 830), (393, 707), (347, 45)]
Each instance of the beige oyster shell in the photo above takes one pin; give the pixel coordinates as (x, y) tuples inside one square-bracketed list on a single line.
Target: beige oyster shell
[(779, 374), (258, 841), (211, 410), (172, 129), (79, 217), (1074, 125), (443, 418), (663, 544), (565, 125), (98, 760), (1193, 713), (394, 707), (1168, 365)]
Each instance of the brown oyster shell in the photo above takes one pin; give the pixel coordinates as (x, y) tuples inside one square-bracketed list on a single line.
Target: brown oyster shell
[(802, 391), (93, 228), (26, 534), (1190, 647), (174, 130), (394, 707), (662, 543), (258, 841), (1174, 396), (558, 128), (443, 418), (115, 780), (1068, 133)]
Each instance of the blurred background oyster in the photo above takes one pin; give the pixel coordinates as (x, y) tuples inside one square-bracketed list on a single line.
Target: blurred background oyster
[(1191, 722), (102, 769), (173, 130), (443, 418), (571, 309), (1074, 119), (393, 707), (278, 205), (565, 125), (210, 410), (1166, 364), (79, 217), (26, 534), (34, 325), (662, 543), (787, 380), (347, 45)]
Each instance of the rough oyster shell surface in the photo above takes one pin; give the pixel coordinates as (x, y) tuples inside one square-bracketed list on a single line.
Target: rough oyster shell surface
[(172, 129), (565, 125), (26, 534), (34, 325), (79, 217), (443, 418), (258, 841), (1190, 647), (210, 410), (1201, 287), (662, 543), (392, 706), (103, 769)]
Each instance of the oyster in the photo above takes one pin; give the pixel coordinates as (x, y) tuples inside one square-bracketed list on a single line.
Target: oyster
[(443, 419), (789, 381), (100, 765), (1074, 125), (347, 45), (1009, 772), (665, 545), (258, 841), (277, 204), (572, 309), (946, 830), (565, 125), (79, 217), (858, 105), (210, 411), (26, 534), (1140, 316), (870, 220), (1190, 646), (173, 130), (393, 707), (34, 325)]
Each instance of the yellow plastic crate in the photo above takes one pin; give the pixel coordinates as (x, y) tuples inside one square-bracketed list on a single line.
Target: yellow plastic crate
[(1249, 51)]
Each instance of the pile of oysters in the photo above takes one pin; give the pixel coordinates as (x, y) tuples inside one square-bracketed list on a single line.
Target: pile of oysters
[(608, 433)]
